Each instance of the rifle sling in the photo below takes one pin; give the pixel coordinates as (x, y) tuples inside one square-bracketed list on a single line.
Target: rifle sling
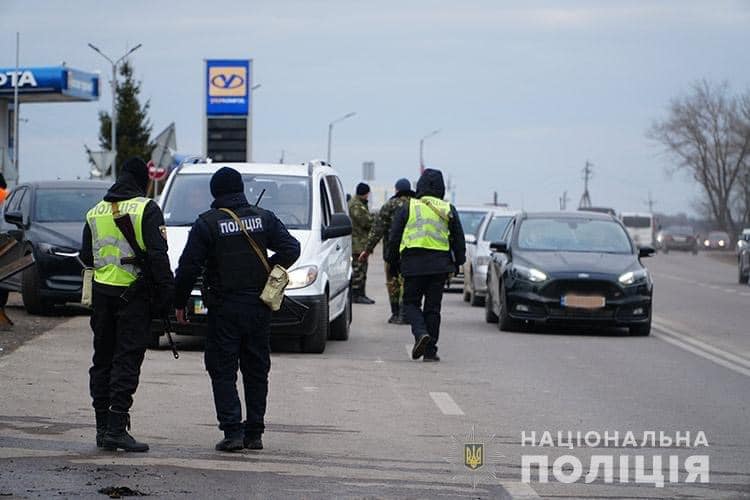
[(261, 254), (125, 224)]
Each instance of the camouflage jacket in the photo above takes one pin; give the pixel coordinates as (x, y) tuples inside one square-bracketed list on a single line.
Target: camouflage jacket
[(361, 223), (382, 224)]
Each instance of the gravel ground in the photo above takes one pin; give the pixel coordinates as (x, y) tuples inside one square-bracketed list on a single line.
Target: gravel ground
[(27, 326)]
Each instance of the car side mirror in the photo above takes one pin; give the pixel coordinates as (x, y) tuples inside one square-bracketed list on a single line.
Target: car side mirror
[(499, 246), (646, 251), (15, 217), (340, 225), (470, 239)]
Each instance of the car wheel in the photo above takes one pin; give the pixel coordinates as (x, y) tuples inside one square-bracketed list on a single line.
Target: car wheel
[(340, 326), (467, 296), (316, 342), (31, 282), (489, 314), (505, 322), (641, 330), (476, 300)]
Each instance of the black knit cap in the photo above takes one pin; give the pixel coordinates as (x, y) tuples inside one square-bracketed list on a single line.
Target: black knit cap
[(226, 181), (138, 170), (362, 189)]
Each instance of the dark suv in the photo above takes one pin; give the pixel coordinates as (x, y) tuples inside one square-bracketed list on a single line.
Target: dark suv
[(47, 219)]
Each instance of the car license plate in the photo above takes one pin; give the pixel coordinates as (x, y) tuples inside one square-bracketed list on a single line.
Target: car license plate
[(680, 239), (199, 308), (583, 301)]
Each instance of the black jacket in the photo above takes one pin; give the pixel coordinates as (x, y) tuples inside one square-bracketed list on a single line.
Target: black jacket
[(127, 188), (204, 247), (421, 261)]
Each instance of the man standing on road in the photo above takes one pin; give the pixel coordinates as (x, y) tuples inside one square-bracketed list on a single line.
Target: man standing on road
[(427, 243), (238, 321), (380, 229), (123, 303), (361, 225)]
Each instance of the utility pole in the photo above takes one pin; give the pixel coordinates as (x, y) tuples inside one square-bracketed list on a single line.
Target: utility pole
[(281, 160), (587, 175), (564, 201), (650, 202)]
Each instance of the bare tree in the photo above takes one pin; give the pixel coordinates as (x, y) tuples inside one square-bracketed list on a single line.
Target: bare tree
[(708, 134)]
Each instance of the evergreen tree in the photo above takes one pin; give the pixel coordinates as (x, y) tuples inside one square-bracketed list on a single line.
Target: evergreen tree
[(133, 126)]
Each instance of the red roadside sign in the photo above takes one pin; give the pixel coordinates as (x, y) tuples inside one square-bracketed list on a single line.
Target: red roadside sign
[(156, 173)]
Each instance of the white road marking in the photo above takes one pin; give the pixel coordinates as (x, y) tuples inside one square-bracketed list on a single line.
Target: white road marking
[(730, 290), (445, 403), (310, 389), (379, 360), (745, 294), (719, 356)]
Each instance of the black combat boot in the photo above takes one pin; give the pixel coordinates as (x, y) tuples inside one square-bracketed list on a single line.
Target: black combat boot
[(401, 320), (253, 441), (101, 426), (394, 314), (117, 437), (232, 441), (358, 297)]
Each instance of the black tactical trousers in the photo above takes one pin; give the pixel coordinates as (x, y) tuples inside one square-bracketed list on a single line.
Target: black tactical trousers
[(424, 319), (239, 334), (121, 335)]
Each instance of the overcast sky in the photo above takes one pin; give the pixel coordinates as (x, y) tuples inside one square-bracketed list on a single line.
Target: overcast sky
[(524, 92)]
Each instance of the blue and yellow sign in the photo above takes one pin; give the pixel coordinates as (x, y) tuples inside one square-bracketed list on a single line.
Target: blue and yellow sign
[(228, 84)]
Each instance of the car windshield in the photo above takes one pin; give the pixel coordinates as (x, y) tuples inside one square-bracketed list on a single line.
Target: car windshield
[(66, 205), (681, 230), (718, 235), (286, 196), (636, 221), (470, 220), (573, 235), (496, 227)]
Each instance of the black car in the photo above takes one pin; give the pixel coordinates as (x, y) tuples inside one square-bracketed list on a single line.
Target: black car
[(678, 238), (47, 218), (578, 268)]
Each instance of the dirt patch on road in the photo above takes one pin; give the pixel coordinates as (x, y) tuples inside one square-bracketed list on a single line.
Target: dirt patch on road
[(26, 326)]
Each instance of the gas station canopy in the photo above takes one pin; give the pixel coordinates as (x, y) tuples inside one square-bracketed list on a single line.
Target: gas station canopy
[(49, 84)]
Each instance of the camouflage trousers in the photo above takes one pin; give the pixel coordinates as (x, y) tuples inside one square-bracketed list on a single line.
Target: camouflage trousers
[(359, 275), (394, 283)]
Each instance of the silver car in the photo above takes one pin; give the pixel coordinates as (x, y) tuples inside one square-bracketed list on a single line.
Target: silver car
[(478, 252)]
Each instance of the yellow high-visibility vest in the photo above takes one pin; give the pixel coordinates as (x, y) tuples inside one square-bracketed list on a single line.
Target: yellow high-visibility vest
[(425, 228), (109, 245)]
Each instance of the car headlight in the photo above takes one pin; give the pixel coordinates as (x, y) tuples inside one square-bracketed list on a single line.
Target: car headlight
[(483, 260), (633, 277), (302, 277), (706, 242), (57, 250), (721, 243), (529, 274)]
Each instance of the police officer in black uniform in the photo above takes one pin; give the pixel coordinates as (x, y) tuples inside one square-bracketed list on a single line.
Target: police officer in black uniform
[(122, 327), (239, 323)]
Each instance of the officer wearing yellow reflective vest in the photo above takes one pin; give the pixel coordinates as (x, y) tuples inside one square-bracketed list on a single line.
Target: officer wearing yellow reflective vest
[(426, 243), (122, 309)]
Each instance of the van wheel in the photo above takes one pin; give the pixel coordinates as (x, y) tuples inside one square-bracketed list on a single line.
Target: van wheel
[(31, 282), (316, 342), (340, 325)]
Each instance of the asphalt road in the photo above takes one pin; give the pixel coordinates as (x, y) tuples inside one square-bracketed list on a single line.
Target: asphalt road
[(363, 420)]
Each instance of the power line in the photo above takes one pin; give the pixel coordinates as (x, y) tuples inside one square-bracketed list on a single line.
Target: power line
[(587, 175)]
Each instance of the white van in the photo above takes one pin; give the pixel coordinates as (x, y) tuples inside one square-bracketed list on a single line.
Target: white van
[(641, 227), (310, 201)]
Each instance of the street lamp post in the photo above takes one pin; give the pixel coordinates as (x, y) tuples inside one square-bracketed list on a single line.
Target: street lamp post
[(421, 149), (330, 132), (250, 118), (113, 83)]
